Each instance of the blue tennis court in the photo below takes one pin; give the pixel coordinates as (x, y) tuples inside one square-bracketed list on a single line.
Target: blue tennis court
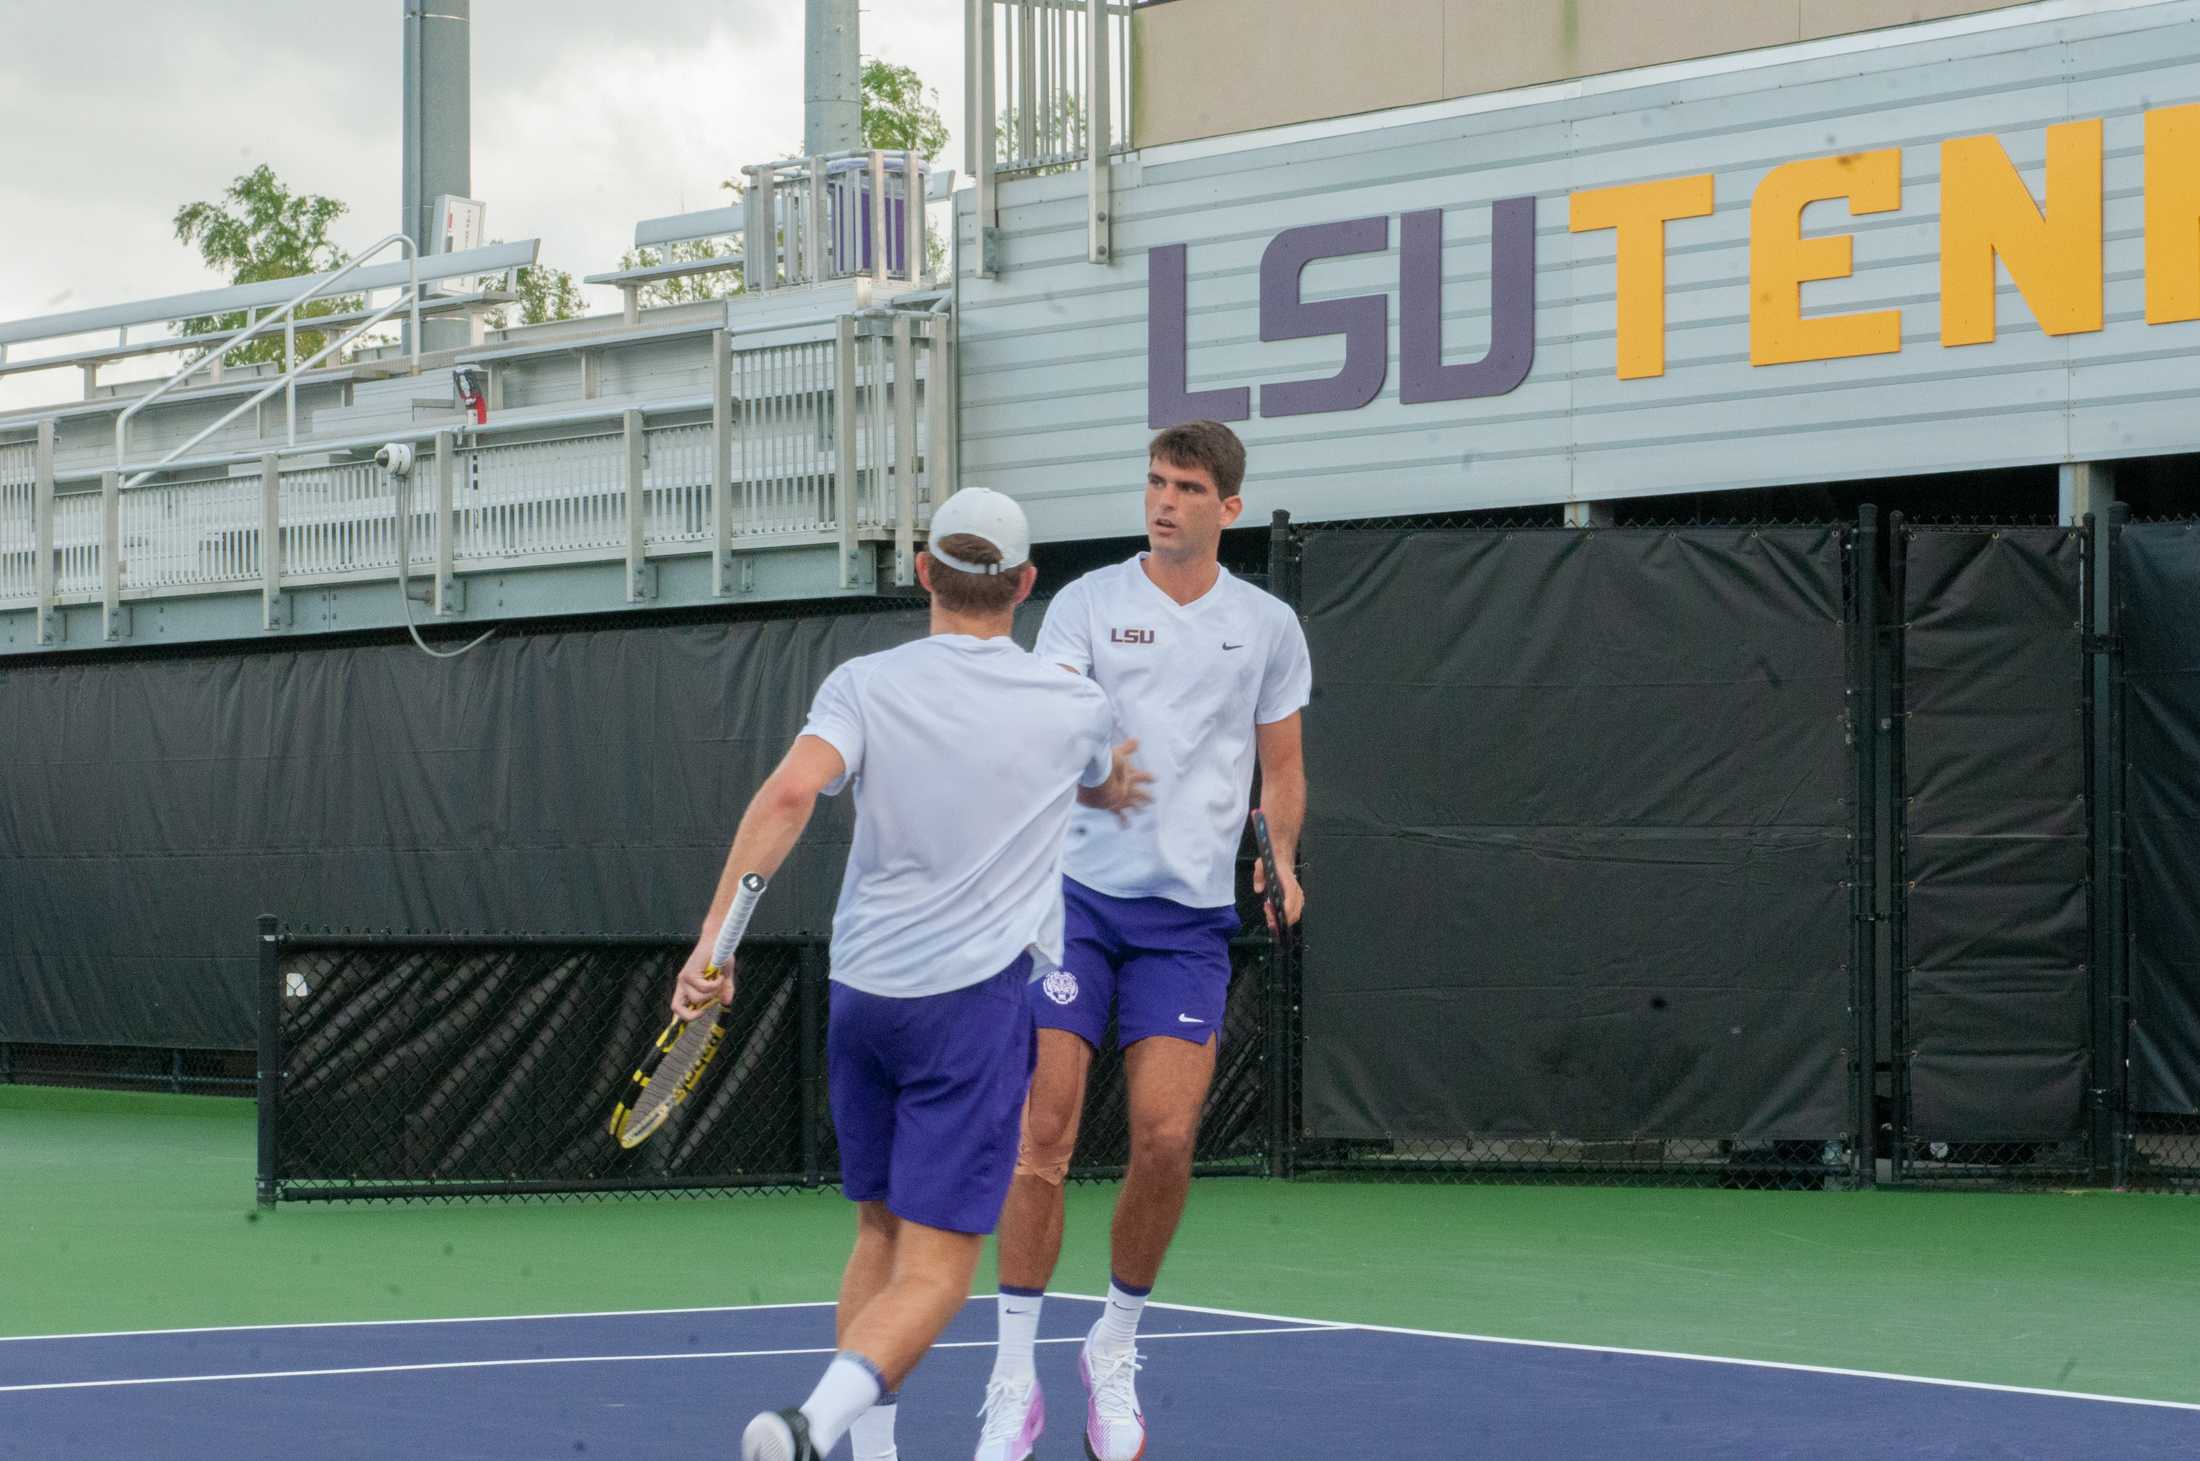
[(1218, 1385)]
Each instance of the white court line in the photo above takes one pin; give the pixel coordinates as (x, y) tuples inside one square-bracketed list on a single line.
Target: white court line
[(612, 1359), (1181, 1308), (384, 1323), (1664, 1354)]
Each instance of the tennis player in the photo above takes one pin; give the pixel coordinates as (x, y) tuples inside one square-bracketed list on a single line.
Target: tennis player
[(1206, 672), (966, 753)]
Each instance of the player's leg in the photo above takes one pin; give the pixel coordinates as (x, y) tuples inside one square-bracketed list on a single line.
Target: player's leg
[(1070, 1007), (929, 1285), (1171, 996), (1031, 1222), (870, 1268), (1168, 1081), (1014, 1410), (960, 1067), (864, 1092), (926, 1282)]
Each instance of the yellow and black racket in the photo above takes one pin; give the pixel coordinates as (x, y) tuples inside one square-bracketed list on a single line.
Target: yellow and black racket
[(674, 1065)]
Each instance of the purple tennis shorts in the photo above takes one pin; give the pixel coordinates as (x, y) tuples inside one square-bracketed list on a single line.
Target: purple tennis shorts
[(1163, 967), (928, 1097)]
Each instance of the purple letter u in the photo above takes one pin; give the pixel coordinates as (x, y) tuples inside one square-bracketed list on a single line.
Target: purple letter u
[(1422, 374)]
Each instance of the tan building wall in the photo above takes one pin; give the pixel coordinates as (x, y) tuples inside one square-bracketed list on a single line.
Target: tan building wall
[(1211, 67)]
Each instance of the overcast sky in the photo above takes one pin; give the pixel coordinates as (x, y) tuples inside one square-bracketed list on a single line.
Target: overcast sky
[(586, 118)]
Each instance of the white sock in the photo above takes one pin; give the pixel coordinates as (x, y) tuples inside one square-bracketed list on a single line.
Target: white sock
[(1119, 1325), (1019, 1310), (873, 1433), (850, 1387)]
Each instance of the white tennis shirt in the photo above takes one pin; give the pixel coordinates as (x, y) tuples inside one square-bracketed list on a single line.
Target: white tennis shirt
[(1190, 682), (966, 756)]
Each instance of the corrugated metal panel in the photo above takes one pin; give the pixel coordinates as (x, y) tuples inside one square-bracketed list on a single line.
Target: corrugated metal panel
[(1054, 352)]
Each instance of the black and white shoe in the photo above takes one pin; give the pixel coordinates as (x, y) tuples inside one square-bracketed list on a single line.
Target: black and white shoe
[(778, 1435)]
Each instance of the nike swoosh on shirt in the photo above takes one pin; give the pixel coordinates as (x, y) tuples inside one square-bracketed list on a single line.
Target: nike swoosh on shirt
[(1188, 1020), (1233, 646)]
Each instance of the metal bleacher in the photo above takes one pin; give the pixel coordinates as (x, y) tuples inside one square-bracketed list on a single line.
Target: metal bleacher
[(784, 442)]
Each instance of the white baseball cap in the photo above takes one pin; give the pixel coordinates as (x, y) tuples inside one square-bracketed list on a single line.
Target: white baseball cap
[(982, 513)]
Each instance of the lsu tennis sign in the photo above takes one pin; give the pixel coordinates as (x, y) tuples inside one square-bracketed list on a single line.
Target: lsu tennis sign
[(2051, 247)]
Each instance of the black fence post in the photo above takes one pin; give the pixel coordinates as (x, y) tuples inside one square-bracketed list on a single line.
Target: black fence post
[(271, 1051), (2096, 648), (1898, 902), (1279, 1003), (810, 977), (2115, 941), (1864, 889)]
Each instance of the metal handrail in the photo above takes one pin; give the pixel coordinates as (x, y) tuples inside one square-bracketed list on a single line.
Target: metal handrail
[(287, 317)]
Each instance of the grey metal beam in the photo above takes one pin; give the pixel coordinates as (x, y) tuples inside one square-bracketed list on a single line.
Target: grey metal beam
[(769, 573), (438, 128), (489, 259), (674, 228), (2084, 488), (832, 95)]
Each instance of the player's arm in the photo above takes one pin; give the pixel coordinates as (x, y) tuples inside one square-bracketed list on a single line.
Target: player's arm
[(1283, 803), (1125, 789), (1065, 634), (769, 830)]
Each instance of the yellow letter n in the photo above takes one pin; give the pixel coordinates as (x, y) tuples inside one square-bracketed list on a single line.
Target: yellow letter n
[(2173, 215), (2054, 257)]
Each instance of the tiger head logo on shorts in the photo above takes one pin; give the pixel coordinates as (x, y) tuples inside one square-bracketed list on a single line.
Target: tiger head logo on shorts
[(1061, 986)]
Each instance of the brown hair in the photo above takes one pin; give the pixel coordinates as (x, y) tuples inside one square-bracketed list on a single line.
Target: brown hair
[(1208, 445), (972, 593)]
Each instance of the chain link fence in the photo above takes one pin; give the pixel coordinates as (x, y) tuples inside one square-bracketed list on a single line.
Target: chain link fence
[(166, 1069), (407, 1067)]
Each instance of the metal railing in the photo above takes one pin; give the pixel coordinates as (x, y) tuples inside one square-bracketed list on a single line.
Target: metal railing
[(1055, 102), (1049, 91), (838, 215), (286, 316), (838, 434), (18, 520)]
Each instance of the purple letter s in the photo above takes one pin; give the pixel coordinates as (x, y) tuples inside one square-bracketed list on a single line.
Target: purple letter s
[(1364, 321)]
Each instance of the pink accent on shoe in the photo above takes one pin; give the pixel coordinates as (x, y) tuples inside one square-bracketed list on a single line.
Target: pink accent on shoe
[(1035, 1421), (1103, 1434)]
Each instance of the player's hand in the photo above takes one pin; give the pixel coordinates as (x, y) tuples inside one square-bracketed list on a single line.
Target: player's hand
[(694, 994), (1125, 789), (1294, 898)]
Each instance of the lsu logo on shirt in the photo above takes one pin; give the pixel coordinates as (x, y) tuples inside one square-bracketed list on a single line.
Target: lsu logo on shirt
[(1130, 636)]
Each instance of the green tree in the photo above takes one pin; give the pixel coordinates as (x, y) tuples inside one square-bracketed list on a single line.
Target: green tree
[(900, 114), (687, 288), (260, 230), (545, 294)]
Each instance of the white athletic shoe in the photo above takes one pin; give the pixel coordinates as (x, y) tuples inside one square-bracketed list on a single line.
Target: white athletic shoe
[(1015, 1413), (1115, 1428), (778, 1436)]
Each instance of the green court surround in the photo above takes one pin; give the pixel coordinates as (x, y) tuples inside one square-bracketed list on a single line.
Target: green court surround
[(135, 1212)]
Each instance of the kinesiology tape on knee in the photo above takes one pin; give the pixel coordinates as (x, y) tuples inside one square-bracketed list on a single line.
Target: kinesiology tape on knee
[(1050, 1164)]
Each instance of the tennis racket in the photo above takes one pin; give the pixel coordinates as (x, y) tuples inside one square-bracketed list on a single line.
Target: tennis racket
[(674, 1065), (1273, 889)]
